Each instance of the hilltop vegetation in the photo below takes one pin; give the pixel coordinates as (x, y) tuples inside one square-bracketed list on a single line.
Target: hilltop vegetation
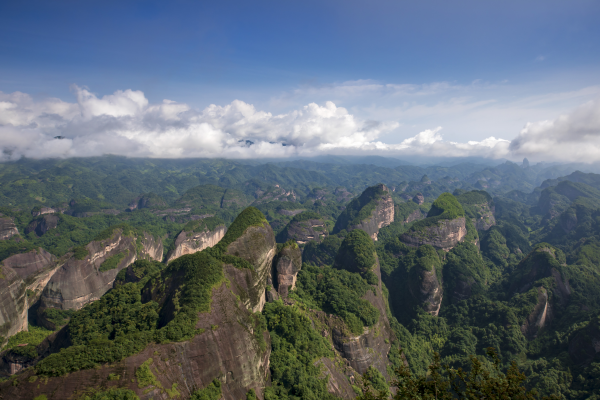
[(523, 280)]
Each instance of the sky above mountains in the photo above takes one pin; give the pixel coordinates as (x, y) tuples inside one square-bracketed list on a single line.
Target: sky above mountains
[(273, 79)]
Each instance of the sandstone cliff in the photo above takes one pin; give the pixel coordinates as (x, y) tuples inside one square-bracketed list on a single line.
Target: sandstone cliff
[(444, 234), (424, 281), (42, 224), (287, 264), (22, 280), (13, 303), (303, 228), (372, 210), (86, 276), (7, 228), (192, 242), (444, 227)]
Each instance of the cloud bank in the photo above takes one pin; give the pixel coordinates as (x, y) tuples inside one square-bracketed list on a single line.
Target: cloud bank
[(126, 123)]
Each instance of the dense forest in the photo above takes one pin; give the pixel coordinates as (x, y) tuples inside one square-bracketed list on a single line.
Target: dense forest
[(349, 280)]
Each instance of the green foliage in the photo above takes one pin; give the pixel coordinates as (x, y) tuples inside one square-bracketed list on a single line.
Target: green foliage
[(33, 336), (208, 223), (251, 395), (14, 245), (247, 218), (80, 252), (295, 347), (107, 233), (211, 392), (336, 292), (445, 207), (481, 380), (57, 316), (120, 324), (113, 261), (323, 253), (357, 253), (360, 208), (465, 272), (112, 394), (144, 375)]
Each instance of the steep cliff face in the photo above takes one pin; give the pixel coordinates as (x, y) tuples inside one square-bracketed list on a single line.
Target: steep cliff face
[(584, 347), (479, 207), (257, 246), (539, 317), (287, 265), (303, 228), (372, 210), (228, 341), (372, 347), (228, 347), (35, 268), (80, 281), (22, 273), (7, 228), (192, 242), (444, 234), (444, 227), (414, 216), (424, 283), (418, 198), (13, 303), (43, 224)]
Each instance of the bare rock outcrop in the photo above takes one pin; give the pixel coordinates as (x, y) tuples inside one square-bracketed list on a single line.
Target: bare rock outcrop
[(8, 228), (192, 242), (43, 224), (287, 265), (79, 281), (414, 216), (303, 228), (257, 246), (443, 234), (13, 303), (371, 348), (371, 211), (424, 283), (418, 198), (539, 317), (227, 350)]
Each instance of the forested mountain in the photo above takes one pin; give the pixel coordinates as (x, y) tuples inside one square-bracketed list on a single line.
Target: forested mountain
[(313, 279)]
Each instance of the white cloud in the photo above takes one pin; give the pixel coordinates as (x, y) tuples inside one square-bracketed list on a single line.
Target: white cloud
[(125, 123), (570, 137)]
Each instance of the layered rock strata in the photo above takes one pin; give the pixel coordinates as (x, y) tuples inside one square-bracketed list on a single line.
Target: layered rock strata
[(8, 228), (443, 234), (192, 242), (287, 265), (80, 281)]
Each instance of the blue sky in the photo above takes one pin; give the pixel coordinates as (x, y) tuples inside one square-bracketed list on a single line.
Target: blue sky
[(474, 68)]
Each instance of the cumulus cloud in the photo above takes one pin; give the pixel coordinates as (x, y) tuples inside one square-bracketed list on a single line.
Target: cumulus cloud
[(570, 137), (126, 123)]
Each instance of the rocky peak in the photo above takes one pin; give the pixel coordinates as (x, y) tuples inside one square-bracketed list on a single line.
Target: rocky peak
[(418, 198), (8, 228), (196, 236), (303, 228), (371, 211), (287, 265), (444, 227), (43, 224)]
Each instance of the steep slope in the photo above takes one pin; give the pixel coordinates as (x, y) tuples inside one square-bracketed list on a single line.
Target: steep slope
[(194, 324), (443, 228), (479, 206), (304, 227), (7, 228), (91, 270), (373, 209), (197, 236)]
